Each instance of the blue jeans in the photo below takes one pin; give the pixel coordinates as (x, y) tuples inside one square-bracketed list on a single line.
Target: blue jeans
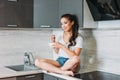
[(62, 60)]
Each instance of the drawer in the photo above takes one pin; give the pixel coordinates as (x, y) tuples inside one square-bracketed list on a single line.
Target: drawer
[(30, 77)]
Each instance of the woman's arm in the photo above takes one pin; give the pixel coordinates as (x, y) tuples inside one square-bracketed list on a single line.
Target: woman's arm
[(76, 52)]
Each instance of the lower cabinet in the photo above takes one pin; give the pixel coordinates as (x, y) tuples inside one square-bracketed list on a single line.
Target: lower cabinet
[(49, 77), (30, 77), (39, 76), (13, 78)]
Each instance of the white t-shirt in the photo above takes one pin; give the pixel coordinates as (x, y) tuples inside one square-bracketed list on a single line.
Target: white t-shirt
[(59, 38)]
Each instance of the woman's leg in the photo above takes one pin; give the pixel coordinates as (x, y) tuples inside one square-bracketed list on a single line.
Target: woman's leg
[(72, 64), (38, 60), (76, 68), (51, 66)]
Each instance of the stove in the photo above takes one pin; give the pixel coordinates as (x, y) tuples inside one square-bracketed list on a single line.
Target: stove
[(97, 75)]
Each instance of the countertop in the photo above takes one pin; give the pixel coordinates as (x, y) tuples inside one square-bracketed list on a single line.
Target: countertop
[(6, 73)]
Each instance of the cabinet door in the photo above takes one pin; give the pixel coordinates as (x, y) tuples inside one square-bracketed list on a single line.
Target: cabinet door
[(61, 79), (73, 7), (30, 77), (49, 77), (13, 78), (11, 13), (2, 13), (16, 13), (46, 13)]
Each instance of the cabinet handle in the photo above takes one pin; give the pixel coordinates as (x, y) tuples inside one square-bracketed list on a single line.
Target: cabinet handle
[(12, 25), (30, 76), (13, 0)]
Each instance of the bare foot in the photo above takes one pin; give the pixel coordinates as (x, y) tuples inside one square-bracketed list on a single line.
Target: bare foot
[(70, 73)]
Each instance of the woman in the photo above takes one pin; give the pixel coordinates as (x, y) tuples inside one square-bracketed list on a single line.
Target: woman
[(67, 45)]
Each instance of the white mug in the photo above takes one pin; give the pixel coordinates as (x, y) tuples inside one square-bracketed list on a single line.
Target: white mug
[(51, 44)]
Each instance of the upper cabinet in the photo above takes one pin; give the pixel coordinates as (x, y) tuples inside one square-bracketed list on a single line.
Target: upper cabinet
[(47, 13), (80, 9), (43, 13), (16, 13), (73, 7)]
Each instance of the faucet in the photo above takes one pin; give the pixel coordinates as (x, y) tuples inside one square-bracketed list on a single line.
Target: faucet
[(27, 59), (28, 63)]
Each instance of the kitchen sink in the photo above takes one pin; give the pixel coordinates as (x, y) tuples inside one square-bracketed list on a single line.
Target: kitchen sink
[(23, 67)]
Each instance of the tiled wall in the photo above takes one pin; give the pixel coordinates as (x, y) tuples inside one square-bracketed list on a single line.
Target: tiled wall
[(100, 49), (13, 44), (108, 50)]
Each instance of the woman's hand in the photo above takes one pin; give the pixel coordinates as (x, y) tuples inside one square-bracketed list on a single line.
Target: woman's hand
[(57, 45)]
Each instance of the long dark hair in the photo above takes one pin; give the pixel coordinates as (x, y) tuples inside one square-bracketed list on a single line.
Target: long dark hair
[(75, 28)]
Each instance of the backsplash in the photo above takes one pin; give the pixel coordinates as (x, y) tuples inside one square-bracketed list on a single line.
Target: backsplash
[(100, 49), (14, 43), (108, 50)]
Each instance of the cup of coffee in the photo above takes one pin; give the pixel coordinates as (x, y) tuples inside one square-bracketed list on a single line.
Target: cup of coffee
[(51, 44)]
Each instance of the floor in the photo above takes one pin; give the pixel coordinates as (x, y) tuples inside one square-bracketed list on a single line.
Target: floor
[(98, 75)]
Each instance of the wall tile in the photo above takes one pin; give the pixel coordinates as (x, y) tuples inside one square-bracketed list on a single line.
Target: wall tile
[(100, 48), (15, 42)]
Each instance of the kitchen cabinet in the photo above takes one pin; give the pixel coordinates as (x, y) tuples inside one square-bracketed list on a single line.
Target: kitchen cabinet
[(13, 78), (26, 77), (43, 13), (80, 9), (30, 77), (73, 7), (16, 13), (46, 13), (50, 77)]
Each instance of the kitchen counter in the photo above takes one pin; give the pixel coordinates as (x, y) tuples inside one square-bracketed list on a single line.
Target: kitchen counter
[(6, 73)]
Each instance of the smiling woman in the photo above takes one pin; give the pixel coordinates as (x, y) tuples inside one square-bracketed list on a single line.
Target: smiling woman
[(67, 45)]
